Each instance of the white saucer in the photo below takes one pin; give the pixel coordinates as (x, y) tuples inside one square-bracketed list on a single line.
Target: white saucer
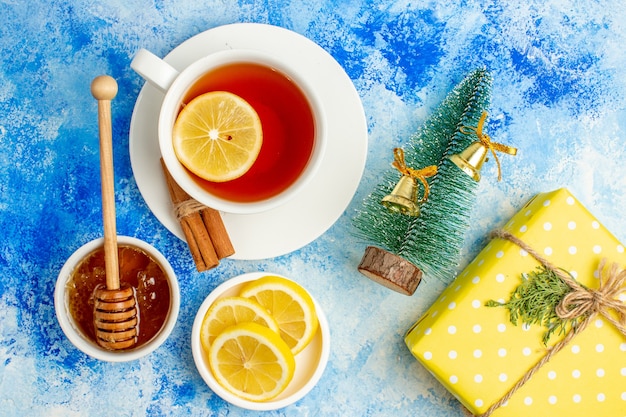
[(316, 208)]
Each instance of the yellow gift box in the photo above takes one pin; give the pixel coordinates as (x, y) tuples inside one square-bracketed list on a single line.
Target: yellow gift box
[(478, 354)]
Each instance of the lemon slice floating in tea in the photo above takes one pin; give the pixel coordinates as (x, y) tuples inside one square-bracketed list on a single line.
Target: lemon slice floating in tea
[(229, 311), (217, 136), (251, 361), (290, 305)]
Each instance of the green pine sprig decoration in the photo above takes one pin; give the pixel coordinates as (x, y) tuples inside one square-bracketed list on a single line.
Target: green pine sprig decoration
[(433, 240), (534, 301)]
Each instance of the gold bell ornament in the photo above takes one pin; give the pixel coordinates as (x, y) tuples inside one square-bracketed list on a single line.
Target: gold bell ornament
[(403, 198), (472, 158)]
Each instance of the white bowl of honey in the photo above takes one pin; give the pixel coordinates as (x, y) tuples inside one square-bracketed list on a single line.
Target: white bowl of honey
[(141, 266)]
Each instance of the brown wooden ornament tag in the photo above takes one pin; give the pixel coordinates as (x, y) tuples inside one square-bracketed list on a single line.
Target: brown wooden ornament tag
[(390, 270)]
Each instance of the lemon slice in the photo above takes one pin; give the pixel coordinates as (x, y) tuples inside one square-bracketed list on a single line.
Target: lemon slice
[(217, 136), (291, 306), (251, 361), (229, 311)]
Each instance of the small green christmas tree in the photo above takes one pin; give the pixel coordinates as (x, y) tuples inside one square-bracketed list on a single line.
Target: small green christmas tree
[(431, 241)]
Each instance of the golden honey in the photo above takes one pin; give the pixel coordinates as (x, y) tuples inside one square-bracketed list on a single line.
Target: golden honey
[(138, 270)]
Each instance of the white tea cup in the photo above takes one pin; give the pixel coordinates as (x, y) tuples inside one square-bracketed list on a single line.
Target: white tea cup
[(292, 149)]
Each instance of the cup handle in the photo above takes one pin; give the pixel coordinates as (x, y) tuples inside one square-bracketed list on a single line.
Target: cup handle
[(153, 69)]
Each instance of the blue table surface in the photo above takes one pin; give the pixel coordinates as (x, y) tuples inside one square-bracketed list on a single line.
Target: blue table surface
[(559, 95)]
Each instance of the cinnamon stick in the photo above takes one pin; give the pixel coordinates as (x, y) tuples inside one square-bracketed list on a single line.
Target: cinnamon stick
[(217, 232), (197, 236)]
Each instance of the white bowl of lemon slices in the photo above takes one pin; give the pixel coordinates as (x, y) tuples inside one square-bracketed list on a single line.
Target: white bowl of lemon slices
[(260, 341)]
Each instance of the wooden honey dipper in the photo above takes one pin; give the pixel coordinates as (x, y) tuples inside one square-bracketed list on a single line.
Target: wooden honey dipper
[(116, 316)]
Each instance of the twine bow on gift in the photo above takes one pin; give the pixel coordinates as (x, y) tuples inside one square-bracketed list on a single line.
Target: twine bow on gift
[(581, 305), (585, 303), (418, 174), (485, 140)]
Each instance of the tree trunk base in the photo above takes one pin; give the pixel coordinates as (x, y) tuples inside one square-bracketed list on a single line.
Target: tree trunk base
[(390, 270)]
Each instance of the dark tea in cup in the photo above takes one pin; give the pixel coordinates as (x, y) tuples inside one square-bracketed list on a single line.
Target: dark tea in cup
[(289, 108), (287, 122)]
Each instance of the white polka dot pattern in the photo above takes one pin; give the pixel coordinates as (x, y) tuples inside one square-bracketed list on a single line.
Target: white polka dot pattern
[(478, 354)]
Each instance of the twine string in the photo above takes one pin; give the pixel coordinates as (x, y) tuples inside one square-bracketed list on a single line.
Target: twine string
[(417, 174), (581, 302), (187, 208)]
